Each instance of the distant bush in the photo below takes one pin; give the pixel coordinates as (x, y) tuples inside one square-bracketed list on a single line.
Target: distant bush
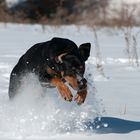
[(91, 12), (58, 11), (3, 11)]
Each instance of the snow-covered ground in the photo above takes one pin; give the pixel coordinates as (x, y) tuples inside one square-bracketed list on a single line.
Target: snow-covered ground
[(111, 110)]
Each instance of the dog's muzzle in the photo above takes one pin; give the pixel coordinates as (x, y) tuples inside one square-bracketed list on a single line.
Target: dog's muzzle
[(82, 83)]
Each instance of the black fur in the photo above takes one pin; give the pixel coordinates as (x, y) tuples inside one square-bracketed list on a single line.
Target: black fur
[(43, 55)]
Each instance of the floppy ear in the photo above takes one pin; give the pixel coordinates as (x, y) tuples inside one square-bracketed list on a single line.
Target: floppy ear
[(84, 50)]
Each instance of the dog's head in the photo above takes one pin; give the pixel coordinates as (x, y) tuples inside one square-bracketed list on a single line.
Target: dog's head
[(73, 66)]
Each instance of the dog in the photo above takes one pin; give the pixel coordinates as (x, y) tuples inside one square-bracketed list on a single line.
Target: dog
[(55, 62)]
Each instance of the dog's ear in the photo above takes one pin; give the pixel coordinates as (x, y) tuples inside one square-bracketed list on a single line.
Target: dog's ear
[(84, 50)]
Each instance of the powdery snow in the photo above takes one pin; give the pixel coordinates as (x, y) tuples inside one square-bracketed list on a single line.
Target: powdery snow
[(111, 110)]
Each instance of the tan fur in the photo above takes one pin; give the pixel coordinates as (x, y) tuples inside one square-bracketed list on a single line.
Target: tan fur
[(62, 88), (72, 81), (50, 71), (81, 96)]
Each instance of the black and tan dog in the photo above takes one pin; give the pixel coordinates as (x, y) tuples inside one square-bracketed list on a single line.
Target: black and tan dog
[(55, 62)]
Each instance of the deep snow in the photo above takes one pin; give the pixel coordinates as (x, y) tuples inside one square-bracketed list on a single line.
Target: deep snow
[(111, 110)]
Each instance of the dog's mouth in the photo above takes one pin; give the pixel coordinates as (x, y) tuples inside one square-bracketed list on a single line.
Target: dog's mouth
[(77, 83)]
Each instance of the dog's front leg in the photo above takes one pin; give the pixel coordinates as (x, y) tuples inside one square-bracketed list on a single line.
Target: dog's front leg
[(62, 88), (81, 96)]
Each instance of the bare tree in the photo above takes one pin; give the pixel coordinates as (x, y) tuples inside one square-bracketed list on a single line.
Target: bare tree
[(99, 65), (131, 45), (135, 52), (130, 37)]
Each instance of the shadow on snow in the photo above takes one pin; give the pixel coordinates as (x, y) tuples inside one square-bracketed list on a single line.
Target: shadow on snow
[(105, 125)]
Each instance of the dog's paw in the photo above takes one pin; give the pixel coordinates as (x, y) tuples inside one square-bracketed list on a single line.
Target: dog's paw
[(65, 93), (68, 97), (62, 88), (81, 96)]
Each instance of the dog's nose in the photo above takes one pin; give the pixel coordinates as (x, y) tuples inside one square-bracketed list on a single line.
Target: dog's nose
[(82, 84)]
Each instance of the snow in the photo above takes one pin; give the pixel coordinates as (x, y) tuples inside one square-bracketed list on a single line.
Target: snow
[(126, 1), (111, 110), (11, 2)]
